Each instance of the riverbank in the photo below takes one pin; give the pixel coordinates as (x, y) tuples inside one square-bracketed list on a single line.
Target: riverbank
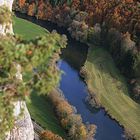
[(104, 80)]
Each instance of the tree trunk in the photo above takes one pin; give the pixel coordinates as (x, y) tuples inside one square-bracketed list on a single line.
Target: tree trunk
[(23, 128)]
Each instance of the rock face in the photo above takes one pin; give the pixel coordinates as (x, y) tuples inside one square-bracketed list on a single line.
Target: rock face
[(23, 128)]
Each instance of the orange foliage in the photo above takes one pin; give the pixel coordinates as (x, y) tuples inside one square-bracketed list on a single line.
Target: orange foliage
[(129, 1), (64, 109), (64, 123), (31, 9), (48, 135), (117, 14), (21, 3), (76, 4), (41, 6)]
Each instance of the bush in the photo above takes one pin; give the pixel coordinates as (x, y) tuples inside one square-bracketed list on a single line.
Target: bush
[(126, 43), (5, 15), (79, 30), (64, 109), (135, 88), (69, 121), (91, 131), (137, 65), (48, 135), (32, 9), (78, 132), (94, 35)]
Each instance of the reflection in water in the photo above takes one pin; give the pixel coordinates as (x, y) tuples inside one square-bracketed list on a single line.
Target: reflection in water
[(75, 89)]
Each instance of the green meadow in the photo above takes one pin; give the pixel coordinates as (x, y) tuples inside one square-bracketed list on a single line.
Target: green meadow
[(111, 88)]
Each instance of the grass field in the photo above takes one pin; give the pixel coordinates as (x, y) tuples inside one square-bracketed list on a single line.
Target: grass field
[(111, 88), (39, 108), (27, 29), (42, 111)]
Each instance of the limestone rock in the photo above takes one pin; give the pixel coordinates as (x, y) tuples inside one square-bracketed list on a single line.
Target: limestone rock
[(23, 129)]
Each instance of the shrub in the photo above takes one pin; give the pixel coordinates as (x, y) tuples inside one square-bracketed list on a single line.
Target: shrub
[(34, 59), (69, 120), (21, 3), (91, 130), (64, 109), (136, 66), (48, 135), (79, 30), (126, 43), (136, 91), (32, 9), (94, 34), (78, 132), (5, 15)]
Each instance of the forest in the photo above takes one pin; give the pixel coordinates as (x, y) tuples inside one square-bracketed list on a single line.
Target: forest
[(50, 71), (112, 24)]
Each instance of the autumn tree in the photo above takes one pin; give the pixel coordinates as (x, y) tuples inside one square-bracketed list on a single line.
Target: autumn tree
[(48, 135)]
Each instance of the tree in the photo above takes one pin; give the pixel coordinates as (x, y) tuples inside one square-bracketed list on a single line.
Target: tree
[(21, 3), (48, 135), (24, 66)]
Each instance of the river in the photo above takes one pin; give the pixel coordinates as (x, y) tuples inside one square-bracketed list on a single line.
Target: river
[(74, 88)]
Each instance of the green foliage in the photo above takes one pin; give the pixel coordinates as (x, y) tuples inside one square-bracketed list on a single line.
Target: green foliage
[(137, 65), (40, 109), (37, 59), (93, 36), (5, 15), (57, 2)]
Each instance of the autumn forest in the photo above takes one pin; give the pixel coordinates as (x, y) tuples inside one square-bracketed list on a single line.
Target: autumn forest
[(69, 69)]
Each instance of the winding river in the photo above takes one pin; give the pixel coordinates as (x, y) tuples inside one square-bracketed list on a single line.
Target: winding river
[(74, 88)]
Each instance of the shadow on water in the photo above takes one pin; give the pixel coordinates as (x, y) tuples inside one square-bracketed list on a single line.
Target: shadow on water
[(75, 56), (74, 88)]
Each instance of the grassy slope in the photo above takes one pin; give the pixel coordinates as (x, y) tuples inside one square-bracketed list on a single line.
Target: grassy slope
[(105, 80), (27, 29), (39, 108), (42, 111)]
